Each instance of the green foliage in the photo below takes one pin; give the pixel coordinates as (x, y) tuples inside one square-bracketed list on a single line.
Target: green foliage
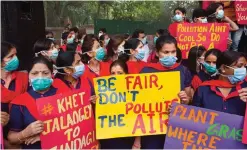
[(85, 12)]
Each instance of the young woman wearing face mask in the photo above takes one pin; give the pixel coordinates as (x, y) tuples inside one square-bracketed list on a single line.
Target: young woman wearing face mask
[(199, 15), (46, 48), (118, 67), (104, 40), (224, 93), (72, 38), (133, 55), (92, 56), (215, 13), (13, 83), (167, 52), (71, 71), (25, 128), (179, 17), (115, 48), (160, 32), (207, 68)]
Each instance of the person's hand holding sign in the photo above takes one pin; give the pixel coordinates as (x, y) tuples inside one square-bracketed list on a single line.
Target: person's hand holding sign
[(4, 118), (243, 94), (34, 128), (93, 99), (183, 97), (32, 139)]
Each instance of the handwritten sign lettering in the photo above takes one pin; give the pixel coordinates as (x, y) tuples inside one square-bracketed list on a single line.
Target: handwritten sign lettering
[(197, 34), (241, 12), (69, 117), (197, 128), (134, 105)]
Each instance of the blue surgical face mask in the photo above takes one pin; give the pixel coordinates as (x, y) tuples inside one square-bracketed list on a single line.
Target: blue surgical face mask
[(41, 83), (100, 54), (52, 39), (54, 54), (12, 64), (79, 70), (238, 76), (168, 61), (107, 41), (155, 39), (71, 39), (140, 54), (220, 14), (204, 20), (144, 40), (178, 18), (210, 69)]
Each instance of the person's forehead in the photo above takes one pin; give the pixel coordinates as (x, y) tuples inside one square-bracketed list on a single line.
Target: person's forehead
[(169, 46)]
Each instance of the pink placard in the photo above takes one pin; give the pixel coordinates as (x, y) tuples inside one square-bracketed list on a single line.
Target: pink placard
[(210, 35), (241, 12), (68, 121)]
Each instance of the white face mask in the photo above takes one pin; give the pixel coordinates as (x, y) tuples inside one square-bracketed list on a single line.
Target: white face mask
[(100, 34)]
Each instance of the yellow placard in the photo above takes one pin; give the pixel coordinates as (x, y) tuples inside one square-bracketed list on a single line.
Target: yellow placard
[(134, 105)]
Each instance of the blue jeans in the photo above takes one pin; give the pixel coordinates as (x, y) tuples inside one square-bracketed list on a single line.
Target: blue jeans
[(236, 36)]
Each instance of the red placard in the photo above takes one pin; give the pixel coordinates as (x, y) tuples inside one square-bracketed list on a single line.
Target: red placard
[(241, 12), (210, 35), (68, 121), (244, 139)]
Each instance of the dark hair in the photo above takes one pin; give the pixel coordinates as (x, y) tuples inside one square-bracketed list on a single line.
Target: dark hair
[(49, 32), (113, 44), (71, 47), (163, 32), (87, 46), (198, 12), (5, 49), (103, 30), (126, 36), (130, 44), (228, 58), (101, 40), (65, 35), (42, 45), (179, 55), (183, 10), (120, 63), (42, 60), (215, 52), (75, 29), (64, 59), (137, 32), (212, 9), (194, 54), (81, 33), (162, 40)]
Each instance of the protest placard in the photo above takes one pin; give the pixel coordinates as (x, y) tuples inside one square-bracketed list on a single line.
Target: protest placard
[(68, 121), (210, 35), (245, 128), (198, 128), (241, 11), (1, 138), (134, 105)]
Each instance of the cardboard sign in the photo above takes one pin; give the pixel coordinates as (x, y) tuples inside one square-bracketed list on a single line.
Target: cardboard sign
[(68, 121), (134, 105), (209, 35), (198, 128), (241, 12)]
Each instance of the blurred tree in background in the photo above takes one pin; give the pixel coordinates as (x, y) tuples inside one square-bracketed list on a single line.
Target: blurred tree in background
[(79, 13)]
